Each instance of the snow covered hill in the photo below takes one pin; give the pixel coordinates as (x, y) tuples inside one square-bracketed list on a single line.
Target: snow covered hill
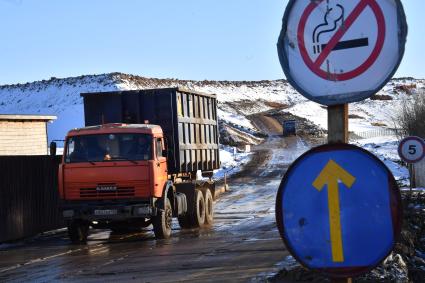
[(61, 97)]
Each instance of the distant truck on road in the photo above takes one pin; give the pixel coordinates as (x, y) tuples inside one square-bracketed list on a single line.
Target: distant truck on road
[(135, 162), (289, 128)]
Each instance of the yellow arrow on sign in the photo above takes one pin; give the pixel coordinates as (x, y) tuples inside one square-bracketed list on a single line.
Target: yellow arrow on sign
[(330, 175)]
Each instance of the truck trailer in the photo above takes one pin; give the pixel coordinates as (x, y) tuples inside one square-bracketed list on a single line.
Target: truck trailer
[(136, 160)]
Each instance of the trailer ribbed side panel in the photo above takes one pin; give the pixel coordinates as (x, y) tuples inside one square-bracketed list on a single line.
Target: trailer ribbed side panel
[(198, 132)]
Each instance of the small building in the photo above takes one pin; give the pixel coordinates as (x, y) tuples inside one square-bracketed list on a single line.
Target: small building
[(24, 134)]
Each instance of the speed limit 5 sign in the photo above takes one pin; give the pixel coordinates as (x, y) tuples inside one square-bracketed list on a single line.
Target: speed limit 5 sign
[(412, 149)]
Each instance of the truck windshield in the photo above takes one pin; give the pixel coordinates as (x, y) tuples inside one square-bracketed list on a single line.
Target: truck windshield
[(108, 147)]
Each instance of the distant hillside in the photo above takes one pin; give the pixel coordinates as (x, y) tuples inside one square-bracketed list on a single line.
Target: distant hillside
[(61, 97)]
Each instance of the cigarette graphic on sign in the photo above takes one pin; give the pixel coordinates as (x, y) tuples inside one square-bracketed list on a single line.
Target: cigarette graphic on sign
[(333, 18)]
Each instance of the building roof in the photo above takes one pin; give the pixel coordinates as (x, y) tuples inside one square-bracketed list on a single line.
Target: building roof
[(13, 117)]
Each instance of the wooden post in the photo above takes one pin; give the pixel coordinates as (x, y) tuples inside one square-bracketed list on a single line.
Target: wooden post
[(411, 168), (338, 133), (338, 123), (413, 177)]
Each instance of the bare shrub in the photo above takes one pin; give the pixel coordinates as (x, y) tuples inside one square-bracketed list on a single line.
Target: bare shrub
[(378, 124), (354, 116), (411, 118), (405, 88), (381, 97)]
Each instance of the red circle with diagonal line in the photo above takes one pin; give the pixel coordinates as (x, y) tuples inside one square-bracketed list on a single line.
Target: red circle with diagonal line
[(315, 65)]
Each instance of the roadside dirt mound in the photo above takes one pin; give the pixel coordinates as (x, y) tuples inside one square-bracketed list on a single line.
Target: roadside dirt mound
[(304, 126), (231, 134), (267, 124)]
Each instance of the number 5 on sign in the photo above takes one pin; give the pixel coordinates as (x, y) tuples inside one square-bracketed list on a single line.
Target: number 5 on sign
[(330, 176), (412, 149)]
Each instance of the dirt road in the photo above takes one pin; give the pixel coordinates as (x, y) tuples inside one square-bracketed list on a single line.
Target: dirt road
[(243, 245)]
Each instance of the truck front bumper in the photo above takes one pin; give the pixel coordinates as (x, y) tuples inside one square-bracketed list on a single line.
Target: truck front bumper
[(108, 211)]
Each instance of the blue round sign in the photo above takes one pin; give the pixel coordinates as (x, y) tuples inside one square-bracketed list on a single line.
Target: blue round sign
[(338, 210)]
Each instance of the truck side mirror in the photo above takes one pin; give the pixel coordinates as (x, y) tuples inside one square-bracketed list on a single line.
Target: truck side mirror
[(53, 147)]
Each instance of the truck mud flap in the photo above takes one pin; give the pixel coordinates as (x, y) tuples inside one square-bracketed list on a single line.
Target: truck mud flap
[(188, 189), (181, 204)]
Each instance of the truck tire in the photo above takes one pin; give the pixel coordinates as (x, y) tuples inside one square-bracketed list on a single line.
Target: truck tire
[(195, 215), (78, 232), (162, 222), (209, 208), (198, 218)]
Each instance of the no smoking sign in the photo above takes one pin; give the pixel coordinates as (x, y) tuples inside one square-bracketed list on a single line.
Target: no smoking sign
[(341, 51)]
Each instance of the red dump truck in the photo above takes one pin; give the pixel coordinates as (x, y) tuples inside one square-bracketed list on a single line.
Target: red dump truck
[(135, 162)]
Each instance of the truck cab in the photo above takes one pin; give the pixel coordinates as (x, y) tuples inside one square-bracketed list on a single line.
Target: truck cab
[(115, 176)]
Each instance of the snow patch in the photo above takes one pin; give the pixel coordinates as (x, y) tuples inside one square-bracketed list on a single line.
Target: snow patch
[(232, 161)]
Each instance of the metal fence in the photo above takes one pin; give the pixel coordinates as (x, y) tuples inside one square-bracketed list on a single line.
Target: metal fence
[(373, 134), (29, 199)]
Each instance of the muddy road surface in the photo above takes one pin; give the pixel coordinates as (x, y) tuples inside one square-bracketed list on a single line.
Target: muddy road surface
[(243, 245)]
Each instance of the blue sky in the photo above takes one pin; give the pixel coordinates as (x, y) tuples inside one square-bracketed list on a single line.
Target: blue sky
[(185, 39)]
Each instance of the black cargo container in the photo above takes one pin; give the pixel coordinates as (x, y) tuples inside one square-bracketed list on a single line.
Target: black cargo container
[(188, 119)]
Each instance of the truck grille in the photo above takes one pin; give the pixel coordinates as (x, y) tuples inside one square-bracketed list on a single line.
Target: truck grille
[(94, 193)]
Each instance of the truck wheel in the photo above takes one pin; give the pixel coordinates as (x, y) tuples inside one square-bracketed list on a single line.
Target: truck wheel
[(209, 208), (199, 212), (162, 222), (195, 216), (78, 232)]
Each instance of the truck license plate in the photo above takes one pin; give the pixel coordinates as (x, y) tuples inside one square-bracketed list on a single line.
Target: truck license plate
[(105, 212)]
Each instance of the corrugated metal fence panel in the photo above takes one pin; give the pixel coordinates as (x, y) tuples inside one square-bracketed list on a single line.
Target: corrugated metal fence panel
[(198, 132), (29, 199)]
